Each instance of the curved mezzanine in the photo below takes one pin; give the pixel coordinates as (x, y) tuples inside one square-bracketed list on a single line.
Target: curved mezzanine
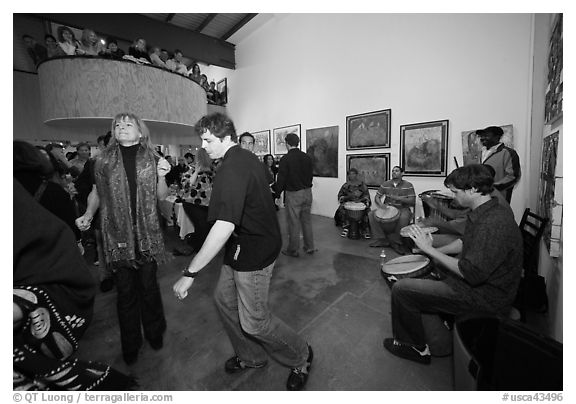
[(76, 92)]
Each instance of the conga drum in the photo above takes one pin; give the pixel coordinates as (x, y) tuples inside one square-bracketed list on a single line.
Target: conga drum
[(441, 200), (354, 213), (406, 266), (388, 217)]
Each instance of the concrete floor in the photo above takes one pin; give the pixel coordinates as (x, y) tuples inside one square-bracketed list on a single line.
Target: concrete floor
[(336, 299)]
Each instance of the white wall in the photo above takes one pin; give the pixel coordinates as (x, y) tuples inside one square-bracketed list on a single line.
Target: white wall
[(315, 69)]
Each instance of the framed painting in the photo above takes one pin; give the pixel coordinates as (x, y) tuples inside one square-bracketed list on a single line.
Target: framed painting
[(261, 142), (322, 147), (222, 87), (373, 169), (278, 135), (555, 88), (472, 148), (424, 148), (368, 131)]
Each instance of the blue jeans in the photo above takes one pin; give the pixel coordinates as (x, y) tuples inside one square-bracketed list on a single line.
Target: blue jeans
[(242, 301), (298, 205), (412, 297)]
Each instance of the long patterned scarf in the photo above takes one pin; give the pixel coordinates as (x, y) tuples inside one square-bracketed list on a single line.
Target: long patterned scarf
[(44, 344), (122, 239)]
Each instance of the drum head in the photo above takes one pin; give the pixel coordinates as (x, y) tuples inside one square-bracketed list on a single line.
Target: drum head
[(404, 231), (354, 206), (406, 264), (387, 212)]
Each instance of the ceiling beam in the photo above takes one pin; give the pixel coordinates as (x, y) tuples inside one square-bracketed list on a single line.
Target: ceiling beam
[(194, 45), (236, 27), (206, 21)]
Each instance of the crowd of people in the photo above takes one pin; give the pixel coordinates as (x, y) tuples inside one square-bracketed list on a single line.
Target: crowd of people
[(90, 44), (479, 270)]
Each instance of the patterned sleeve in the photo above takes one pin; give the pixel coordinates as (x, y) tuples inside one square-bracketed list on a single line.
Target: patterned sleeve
[(365, 195), (343, 191)]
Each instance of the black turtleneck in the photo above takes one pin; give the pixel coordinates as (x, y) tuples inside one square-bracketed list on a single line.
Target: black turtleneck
[(129, 159)]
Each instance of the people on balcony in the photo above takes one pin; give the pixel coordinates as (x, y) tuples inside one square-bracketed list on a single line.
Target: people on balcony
[(156, 57), (112, 50), (36, 51), (68, 42), (138, 50), (90, 43), (194, 73), (204, 82), (52, 48), (213, 94), (176, 64)]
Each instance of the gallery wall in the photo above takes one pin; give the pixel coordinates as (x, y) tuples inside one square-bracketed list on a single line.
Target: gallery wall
[(316, 69)]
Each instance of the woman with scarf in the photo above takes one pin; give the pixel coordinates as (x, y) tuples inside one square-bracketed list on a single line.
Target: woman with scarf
[(130, 178)]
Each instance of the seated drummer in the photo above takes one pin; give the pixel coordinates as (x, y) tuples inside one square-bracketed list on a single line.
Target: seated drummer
[(452, 229), (354, 190), (484, 278), (400, 194)]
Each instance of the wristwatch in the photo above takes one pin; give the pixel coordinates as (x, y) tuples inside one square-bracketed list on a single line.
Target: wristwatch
[(189, 274)]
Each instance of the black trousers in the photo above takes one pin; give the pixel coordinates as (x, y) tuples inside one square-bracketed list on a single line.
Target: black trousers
[(139, 303), (198, 214)]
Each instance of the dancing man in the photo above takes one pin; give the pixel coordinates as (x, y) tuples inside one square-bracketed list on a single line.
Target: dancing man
[(245, 224)]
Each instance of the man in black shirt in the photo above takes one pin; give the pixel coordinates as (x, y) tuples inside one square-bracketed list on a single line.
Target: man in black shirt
[(295, 179), (245, 223)]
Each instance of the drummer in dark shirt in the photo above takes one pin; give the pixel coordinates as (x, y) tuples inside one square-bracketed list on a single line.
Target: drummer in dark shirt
[(247, 227), (484, 278)]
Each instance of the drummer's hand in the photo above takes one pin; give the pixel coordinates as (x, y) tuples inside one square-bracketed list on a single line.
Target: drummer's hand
[(423, 240)]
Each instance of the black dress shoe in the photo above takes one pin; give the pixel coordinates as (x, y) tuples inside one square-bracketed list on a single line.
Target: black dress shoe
[(157, 343), (299, 376), (235, 365), (130, 357)]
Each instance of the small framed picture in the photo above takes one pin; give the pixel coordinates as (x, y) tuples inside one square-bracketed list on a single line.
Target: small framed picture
[(222, 87), (373, 169), (262, 142), (369, 130), (278, 135), (424, 149)]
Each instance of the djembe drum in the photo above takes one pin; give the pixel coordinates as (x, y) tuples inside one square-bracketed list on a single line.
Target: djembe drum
[(388, 217), (406, 266), (354, 214)]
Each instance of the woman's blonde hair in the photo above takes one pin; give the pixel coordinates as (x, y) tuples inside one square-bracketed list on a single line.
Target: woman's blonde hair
[(142, 128), (203, 159)]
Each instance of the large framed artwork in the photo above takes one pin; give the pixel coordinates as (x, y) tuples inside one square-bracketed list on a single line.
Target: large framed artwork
[(322, 147), (262, 142), (424, 148), (278, 135), (555, 88), (368, 131), (373, 169), (472, 148)]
